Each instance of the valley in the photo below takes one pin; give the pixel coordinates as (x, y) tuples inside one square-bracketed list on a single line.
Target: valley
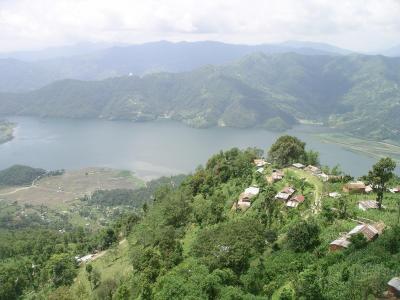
[(271, 91)]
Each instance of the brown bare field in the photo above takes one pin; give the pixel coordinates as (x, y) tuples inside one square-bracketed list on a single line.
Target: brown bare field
[(59, 190)]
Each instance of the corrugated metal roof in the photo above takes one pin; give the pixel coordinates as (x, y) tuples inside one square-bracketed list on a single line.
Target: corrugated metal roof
[(395, 283), (343, 242), (367, 230)]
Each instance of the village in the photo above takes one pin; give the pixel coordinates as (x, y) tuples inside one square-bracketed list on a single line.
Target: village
[(291, 198)]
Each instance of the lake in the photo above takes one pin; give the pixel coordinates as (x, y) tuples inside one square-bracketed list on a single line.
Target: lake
[(149, 149)]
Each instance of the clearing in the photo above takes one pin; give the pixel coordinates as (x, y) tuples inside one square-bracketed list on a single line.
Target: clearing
[(74, 184)]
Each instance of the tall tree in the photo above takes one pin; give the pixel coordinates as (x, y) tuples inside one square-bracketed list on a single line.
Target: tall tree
[(379, 176), (287, 150)]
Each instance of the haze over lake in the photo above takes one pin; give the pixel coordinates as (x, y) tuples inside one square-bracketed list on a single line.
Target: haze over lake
[(149, 149)]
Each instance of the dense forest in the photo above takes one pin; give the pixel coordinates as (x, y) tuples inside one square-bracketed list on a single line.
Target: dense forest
[(357, 94), (193, 239)]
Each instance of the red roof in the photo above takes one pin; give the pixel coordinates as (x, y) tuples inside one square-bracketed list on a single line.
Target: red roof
[(298, 198)]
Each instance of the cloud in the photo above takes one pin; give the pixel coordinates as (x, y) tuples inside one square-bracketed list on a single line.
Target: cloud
[(362, 24)]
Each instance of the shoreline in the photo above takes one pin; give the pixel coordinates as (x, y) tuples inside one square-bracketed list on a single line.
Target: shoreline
[(371, 148)]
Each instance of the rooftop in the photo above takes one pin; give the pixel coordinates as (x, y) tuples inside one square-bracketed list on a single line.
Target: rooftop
[(395, 283)]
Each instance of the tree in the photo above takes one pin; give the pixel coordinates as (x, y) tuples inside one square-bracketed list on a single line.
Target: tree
[(268, 204), (311, 158), (61, 269), (286, 294), (122, 293), (303, 236), (379, 176), (308, 285), (287, 150)]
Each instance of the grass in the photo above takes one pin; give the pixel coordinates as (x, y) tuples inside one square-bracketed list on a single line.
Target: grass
[(114, 264)]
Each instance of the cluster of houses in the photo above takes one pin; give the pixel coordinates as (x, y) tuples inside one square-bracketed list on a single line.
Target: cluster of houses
[(313, 170), (370, 232), (287, 195)]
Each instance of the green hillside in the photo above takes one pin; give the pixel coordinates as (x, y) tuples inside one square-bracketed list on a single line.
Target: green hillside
[(192, 239), (357, 94)]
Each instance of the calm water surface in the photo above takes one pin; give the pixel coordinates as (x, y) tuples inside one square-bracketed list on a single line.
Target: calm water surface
[(149, 149)]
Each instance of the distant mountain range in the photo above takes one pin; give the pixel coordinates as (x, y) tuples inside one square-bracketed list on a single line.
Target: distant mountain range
[(358, 94), (24, 71)]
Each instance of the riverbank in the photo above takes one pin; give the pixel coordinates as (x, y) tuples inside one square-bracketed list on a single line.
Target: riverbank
[(375, 149), (6, 131)]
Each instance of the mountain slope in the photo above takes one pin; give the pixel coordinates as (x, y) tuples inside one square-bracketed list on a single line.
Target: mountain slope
[(359, 94), (135, 59)]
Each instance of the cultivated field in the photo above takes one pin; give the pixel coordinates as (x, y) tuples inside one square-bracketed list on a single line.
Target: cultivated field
[(58, 190), (371, 148)]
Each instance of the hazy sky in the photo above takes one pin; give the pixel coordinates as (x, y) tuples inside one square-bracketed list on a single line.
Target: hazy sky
[(362, 25)]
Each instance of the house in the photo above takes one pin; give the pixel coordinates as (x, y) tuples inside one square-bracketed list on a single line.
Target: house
[(323, 177), (368, 204), (282, 196), (277, 175), (369, 231), (295, 201), (259, 162), (339, 244), (394, 287), (313, 169), (288, 190), (84, 259), (252, 190), (285, 194), (395, 190), (260, 170), (354, 187), (244, 201), (335, 195), (298, 166), (299, 198), (368, 189)]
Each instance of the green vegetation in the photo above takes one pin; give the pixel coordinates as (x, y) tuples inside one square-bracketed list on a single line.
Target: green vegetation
[(19, 175), (6, 131), (379, 177), (357, 94), (190, 241), (288, 150)]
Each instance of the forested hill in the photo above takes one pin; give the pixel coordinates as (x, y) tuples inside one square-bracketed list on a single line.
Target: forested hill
[(29, 70), (356, 93), (231, 230)]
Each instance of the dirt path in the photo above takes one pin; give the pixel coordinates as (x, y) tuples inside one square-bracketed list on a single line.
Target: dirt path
[(318, 187), (102, 253)]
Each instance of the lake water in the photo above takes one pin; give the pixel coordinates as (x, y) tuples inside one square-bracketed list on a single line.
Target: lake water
[(149, 149)]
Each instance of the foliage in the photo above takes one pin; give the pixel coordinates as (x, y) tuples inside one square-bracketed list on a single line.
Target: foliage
[(379, 176), (303, 236), (19, 175), (286, 151)]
